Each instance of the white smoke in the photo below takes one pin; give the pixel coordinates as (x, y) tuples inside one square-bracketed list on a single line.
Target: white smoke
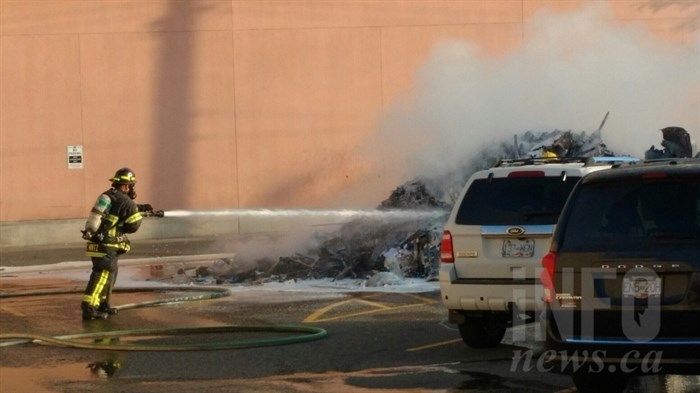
[(571, 69)]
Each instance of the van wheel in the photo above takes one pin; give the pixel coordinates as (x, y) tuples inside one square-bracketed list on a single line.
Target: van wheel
[(612, 382), (479, 333)]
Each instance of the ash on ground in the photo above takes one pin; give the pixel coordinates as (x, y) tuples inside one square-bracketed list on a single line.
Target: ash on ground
[(383, 251)]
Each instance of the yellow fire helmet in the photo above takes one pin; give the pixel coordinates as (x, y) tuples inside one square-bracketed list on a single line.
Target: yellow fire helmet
[(548, 154), (123, 176)]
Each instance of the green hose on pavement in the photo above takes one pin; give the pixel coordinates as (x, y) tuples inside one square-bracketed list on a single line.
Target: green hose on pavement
[(109, 340)]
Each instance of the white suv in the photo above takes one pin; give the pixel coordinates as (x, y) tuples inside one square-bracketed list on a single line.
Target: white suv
[(495, 238)]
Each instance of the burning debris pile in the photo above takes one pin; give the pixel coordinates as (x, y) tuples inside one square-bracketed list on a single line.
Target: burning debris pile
[(412, 195), (383, 250), (377, 249), (363, 248)]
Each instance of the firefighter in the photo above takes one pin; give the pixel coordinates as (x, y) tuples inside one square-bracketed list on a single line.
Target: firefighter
[(113, 216)]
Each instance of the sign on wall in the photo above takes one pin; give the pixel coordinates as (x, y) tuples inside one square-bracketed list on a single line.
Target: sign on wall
[(75, 156)]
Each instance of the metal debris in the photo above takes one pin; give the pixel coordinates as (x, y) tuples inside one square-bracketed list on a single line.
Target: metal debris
[(675, 143), (412, 195)]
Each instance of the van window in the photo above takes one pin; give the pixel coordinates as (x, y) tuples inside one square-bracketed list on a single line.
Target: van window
[(515, 201), (634, 215)]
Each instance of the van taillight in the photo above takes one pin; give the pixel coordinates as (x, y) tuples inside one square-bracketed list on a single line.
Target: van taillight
[(446, 253), (547, 276), (654, 175)]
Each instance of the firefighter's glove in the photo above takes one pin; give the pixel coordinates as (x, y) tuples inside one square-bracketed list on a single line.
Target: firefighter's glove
[(86, 235), (148, 211), (93, 237)]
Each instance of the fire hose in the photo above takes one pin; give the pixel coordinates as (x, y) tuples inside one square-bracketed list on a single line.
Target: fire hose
[(106, 340)]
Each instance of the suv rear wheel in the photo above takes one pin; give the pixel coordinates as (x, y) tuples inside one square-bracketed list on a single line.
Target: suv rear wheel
[(481, 332)]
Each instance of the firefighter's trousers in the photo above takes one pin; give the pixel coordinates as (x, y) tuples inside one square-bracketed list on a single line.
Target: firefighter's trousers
[(102, 279)]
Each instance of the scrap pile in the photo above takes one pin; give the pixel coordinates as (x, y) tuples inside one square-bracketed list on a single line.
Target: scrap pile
[(404, 246), (384, 250), (413, 195)]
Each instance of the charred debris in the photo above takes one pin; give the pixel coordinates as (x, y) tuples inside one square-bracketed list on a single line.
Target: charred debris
[(675, 144), (382, 251), (377, 249)]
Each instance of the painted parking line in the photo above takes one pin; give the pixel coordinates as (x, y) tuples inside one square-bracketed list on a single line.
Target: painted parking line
[(373, 304), (438, 344), (377, 307), (13, 311)]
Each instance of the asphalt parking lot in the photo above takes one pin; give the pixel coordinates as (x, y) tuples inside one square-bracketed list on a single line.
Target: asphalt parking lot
[(379, 340)]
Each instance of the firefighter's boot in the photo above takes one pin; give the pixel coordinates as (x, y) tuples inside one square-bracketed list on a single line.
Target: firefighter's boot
[(90, 312), (106, 308)]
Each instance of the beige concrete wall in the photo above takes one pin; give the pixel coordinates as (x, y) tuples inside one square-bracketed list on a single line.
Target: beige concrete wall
[(229, 103)]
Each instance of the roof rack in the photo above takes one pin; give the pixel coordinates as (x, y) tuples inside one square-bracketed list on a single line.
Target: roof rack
[(674, 160), (612, 160), (587, 161)]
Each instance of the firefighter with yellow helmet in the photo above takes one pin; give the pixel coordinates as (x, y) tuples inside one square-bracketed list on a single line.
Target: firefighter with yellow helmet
[(113, 216)]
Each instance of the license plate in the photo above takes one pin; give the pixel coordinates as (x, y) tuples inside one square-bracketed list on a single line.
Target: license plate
[(641, 287), (518, 248)]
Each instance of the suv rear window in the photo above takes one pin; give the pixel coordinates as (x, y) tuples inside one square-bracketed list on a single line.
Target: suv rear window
[(635, 215), (515, 201)]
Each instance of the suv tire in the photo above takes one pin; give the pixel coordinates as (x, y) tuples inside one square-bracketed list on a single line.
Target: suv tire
[(481, 332)]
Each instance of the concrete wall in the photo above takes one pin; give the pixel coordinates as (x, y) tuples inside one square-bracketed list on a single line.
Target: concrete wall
[(67, 231), (229, 103)]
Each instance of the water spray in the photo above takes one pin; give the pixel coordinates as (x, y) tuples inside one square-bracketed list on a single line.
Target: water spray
[(340, 213)]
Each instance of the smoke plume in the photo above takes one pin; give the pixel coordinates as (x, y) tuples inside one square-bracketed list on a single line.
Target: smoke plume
[(571, 69)]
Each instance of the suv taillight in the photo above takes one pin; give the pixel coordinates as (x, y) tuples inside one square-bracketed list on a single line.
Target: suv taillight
[(446, 253), (547, 276)]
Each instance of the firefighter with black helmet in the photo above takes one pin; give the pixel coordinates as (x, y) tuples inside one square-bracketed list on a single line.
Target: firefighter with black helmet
[(113, 216)]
